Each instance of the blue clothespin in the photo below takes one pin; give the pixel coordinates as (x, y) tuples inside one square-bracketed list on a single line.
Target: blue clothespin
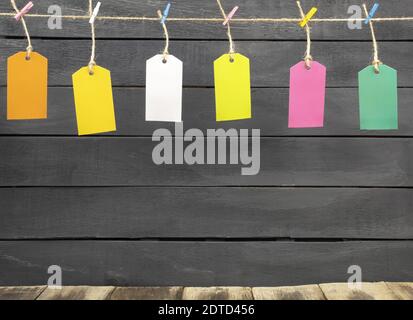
[(166, 13), (372, 13)]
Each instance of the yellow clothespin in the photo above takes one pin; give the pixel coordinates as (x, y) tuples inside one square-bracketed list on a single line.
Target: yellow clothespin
[(308, 17)]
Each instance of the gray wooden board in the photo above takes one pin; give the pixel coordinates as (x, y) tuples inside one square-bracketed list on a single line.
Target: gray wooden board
[(270, 61), (270, 114), (37, 213), (45, 161), (312, 188), (149, 263), (209, 9)]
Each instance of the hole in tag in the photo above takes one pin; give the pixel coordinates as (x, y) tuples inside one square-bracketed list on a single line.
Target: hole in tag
[(164, 61), (27, 58), (232, 60), (91, 73)]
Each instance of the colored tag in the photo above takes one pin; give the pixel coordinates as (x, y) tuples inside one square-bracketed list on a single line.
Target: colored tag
[(307, 95), (232, 88), (26, 86), (378, 98), (95, 111), (164, 89)]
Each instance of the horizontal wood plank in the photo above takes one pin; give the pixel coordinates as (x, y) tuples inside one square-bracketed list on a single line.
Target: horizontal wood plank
[(21, 293), (147, 293), (270, 61), (76, 293), (28, 161), (366, 291), (270, 114), (217, 293), (403, 290), (47, 213), (307, 292), (148, 263), (212, 30)]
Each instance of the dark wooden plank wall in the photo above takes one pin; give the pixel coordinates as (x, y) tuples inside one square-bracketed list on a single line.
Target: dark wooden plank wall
[(325, 198)]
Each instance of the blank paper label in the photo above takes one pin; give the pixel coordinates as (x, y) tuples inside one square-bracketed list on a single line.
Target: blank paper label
[(164, 89)]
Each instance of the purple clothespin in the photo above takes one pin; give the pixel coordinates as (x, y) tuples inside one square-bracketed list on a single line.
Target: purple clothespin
[(24, 11), (230, 15)]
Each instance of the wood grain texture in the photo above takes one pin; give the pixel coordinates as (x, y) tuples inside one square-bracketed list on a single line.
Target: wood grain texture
[(29, 161), (166, 263), (208, 9), (76, 293), (21, 293), (368, 291), (147, 293), (270, 61), (307, 292), (47, 213), (96, 205), (270, 114), (403, 290), (217, 293)]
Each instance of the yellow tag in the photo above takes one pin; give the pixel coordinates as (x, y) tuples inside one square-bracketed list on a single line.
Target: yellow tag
[(95, 112), (232, 87), (26, 87)]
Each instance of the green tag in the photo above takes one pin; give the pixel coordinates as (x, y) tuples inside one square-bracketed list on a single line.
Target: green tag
[(378, 98)]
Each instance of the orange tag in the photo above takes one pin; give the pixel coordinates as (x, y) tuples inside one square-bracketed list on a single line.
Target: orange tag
[(26, 87)]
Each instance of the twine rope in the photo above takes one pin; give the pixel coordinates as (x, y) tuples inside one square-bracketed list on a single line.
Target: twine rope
[(376, 61), (29, 48), (165, 52), (92, 61), (231, 51), (307, 58), (217, 20)]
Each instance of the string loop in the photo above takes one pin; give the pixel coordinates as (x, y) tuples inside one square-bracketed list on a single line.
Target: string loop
[(376, 61), (29, 48), (92, 62), (307, 58), (165, 52), (231, 51)]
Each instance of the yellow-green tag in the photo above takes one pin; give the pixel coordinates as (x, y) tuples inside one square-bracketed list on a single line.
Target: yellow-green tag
[(232, 87)]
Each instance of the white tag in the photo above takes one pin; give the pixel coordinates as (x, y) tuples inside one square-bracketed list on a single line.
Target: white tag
[(164, 89)]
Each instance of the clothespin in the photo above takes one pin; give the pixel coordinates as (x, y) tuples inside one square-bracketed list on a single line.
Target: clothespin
[(372, 13), (95, 13), (24, 11), (308, 17), (165, 13), (230, 15)]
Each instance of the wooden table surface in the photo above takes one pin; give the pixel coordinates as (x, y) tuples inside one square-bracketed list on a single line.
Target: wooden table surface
[(332, 291)]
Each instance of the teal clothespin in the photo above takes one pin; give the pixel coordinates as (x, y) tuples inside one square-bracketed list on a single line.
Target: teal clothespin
[(372, 13)]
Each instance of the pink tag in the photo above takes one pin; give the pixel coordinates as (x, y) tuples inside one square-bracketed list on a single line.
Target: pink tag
[(307, 95)]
